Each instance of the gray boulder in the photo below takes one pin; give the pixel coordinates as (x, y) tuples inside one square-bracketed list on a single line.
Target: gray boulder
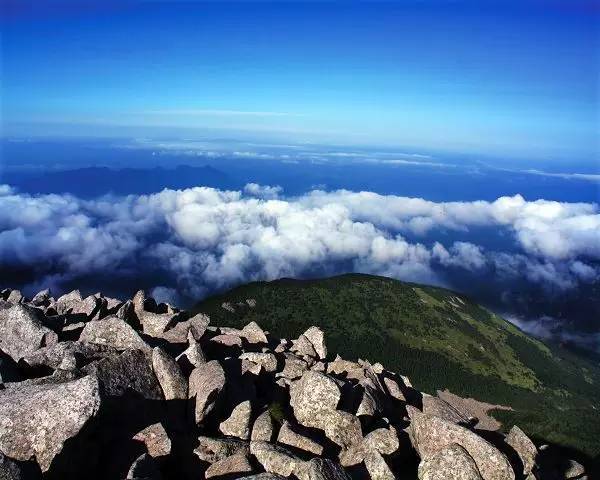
[(450, 463), (234, 465), (37, 420), (524, 448), (205, 384), (212, 450), (430, 434), (114, 332), (317, 338), (377, 467), (156, 440), (288, 436), (127, 372), (172, 382), (262, 430), (238, 423), (276, 459), (67, 355), (22, 330)]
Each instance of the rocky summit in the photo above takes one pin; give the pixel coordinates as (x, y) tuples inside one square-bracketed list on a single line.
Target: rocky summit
[(97, 387)]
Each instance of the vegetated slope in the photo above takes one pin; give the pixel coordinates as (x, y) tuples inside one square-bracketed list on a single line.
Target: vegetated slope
[(440, 339)]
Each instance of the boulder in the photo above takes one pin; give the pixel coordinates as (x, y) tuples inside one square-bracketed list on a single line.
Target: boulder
[(238, 423), (22, 330), (430, 434), (172, 382), (368, 406), (302, 346), (262, 430), (267, 360), (41, 299), (452, 462), (234, 465), (573, 470), (317, 338), (227, 340), (438, 407), (340, 427), (181, 329), (15, 296), (289, 437), (114, 332), (313, 393), (377, 467), (193, 356), (37, 420), (293, 367), (324, 469), (382, 440), (212, 450), (524, 448), (156, 440), (205, 384), (144, 468), (67, 355), (275, 458), (125, 373), (253, 334)]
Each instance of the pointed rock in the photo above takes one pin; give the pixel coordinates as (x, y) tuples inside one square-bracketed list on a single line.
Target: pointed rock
[(276, 459), (524, 447), (288, 436), (317, 338), (205, 384), (377, 467), (262, 430), (156, 440), (254, 334), (172, 382), (267, 360), (238, 423)]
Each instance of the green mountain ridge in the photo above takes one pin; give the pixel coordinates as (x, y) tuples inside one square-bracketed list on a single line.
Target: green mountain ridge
[(441, 340)]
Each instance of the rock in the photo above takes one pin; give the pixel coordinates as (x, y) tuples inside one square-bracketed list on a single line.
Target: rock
[(238, 423), (13, 470), (313, 393), (340, 427), (438, 407), (289, 437), (524, 448), (263, 476), (155, 324), (303, 347), (180, 331), (262, 430), (228, 340), (67, 355), (430, 434), (324, 469), (253, 333), (205, 384), (144, 468), (158, 443), (394, 389), (212, 450), (41, 299), (276, 459), (293, 367), (22, 330), (573, 470), (114, 332), (377, 467), (128, 372), (317, 338), (450, 463), (15, 297), (193, 356), (172, 382), (233, 465), (37, 420), (267, 360), (383, 440)]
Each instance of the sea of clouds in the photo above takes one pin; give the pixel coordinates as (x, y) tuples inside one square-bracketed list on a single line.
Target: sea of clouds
[(198, 241)]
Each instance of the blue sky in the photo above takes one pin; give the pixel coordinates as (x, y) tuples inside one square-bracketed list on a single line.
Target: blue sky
[(515, 79)]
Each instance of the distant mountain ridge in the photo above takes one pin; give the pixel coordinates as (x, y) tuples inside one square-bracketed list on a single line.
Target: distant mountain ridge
[(441, 339), (90, 182)]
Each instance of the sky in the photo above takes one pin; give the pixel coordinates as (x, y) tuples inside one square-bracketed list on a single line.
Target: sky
[(506, 78)]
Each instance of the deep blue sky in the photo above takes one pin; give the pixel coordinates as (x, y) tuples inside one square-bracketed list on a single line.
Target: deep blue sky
[(514, 79)]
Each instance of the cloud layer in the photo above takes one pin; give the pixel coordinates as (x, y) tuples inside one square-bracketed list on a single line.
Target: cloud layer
[(202, 240)]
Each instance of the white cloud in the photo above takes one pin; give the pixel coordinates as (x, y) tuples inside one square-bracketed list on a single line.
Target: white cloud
[(204, 239)]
